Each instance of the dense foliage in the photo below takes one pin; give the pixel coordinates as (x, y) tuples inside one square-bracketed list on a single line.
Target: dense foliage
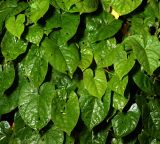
[(79, 71)]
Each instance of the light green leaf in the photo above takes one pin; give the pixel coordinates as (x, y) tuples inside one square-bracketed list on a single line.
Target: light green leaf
[(35, 34), (12, 47), (65, 110), (101, 26), (119, 101), (52, 136), (106, 53), (146, 51), (37, 9), (35, 66), (35, 105), (64, 58), (15, 25), (123, 7), (93, 110), (123, 124), (95, 85), (144, 82), (124, 65), (7, 7), (118, 85), (86, 56), (7, 75)]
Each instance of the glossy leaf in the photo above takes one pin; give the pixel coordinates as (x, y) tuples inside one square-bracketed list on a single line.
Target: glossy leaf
[(12, 47), (123, 124), (93, 110), (69, 140), (119, 101), (118, 85), (35, 34), (106, 53), (7, 76), (146, 51), (37, 9), (86, 55), (52, 136), (23, 133), (95, 85), (144, 82), (7, 7), (35, 105), (35, 66), (122, 7), (85, 6), (91, 137), (101, 27), (15, 25), (5, 132), (63, 114), (63, 58)]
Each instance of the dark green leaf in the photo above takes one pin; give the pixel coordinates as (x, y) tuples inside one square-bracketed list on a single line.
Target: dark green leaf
[(7, 76), (144, 82)]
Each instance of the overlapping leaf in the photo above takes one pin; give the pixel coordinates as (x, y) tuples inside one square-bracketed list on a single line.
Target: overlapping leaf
[(65, 110), (95, 84), (12, 47), (35, 105)]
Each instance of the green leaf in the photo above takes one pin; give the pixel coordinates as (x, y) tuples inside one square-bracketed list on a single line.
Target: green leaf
[(101, 26), (15, 25), (94, 110), (86, 55), (5, 132), (12, 47), (146, 51), (124, 65), (144, 82), (118, 85), (123, 124), (35, 66), (69, 140), (7, 76), (92, 137), (69, 25), (65, 110), (124, 7), (35, 34), (7, 7), (117, 141), (37, 9), (35, 105), (85, 6), (52, 136), (106, 53), (119, 101), (95, 84), (64, 58)]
